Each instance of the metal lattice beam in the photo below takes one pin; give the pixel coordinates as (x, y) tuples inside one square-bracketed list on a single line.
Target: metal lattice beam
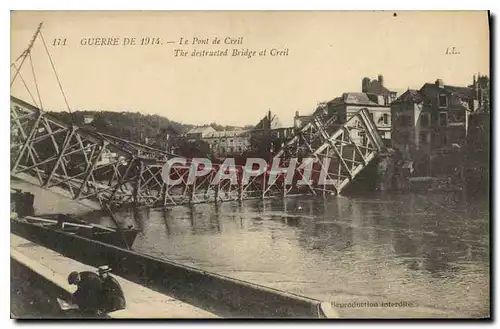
[(56, 155)]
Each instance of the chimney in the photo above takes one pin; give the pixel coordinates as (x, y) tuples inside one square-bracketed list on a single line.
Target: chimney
[(296, 114), (269, 119), (439, 83), (365, 84), (381, 79), (475, 86)]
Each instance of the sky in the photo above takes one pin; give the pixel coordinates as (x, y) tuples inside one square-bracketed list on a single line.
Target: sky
[(327, 54)]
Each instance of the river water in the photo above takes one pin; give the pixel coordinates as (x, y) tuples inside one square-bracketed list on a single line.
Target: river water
[(427, 254)]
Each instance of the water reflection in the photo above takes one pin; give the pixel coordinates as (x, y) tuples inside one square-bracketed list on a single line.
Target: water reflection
[(430, 249)]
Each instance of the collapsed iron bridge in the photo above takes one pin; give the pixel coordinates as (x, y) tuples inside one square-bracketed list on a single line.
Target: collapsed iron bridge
[(66, 159)]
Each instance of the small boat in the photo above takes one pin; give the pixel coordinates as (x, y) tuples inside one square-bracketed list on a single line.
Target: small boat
[(24, 222), (123, 237)]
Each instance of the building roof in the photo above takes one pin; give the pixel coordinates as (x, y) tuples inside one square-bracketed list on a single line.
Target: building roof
[(410, 96), (353, 99), (430, 91), (270, 121), (462, 92), (200, 130), (227, 133)]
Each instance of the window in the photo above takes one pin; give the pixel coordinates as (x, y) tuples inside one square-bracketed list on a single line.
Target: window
[(443, 119), (371, 115), (443, 101), (457, 116), (424, 120), (423, 138), (384, 119)]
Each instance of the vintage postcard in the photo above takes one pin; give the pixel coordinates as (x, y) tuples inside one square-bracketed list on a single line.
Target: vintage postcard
[(250, 164)]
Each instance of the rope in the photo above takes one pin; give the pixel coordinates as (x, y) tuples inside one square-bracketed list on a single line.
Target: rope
[(18, 68), (36, 84), (25, 53), (57, 77), (26, 86)]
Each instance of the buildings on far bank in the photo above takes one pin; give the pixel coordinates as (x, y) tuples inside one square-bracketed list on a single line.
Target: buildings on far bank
[(433, 120), (270, 127), (374, 97), (199, 132), (419, 123), (223, 143), (347, 105), (237, 142)]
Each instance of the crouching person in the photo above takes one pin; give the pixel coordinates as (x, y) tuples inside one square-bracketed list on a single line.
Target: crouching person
[(113, 298), (89, 292)]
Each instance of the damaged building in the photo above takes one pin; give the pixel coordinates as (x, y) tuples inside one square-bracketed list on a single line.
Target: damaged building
[(431, 122)]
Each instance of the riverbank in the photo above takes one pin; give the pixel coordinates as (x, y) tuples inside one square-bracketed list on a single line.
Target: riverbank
[(432, 249), (45, 273), (31, 299)]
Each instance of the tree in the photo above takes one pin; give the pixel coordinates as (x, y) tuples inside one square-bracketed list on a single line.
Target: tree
[(484, 91), (153, 130), (192, 148), (263, 144)]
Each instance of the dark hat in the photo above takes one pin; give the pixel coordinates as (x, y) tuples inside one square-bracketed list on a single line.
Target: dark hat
[(73, 277)]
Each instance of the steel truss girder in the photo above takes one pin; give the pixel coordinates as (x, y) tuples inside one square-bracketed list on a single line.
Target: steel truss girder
[(71, 158), (348, 153)]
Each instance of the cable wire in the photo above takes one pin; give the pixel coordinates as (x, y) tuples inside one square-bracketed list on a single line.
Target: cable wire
[(36, 84), (57, 77), (26, 86)]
